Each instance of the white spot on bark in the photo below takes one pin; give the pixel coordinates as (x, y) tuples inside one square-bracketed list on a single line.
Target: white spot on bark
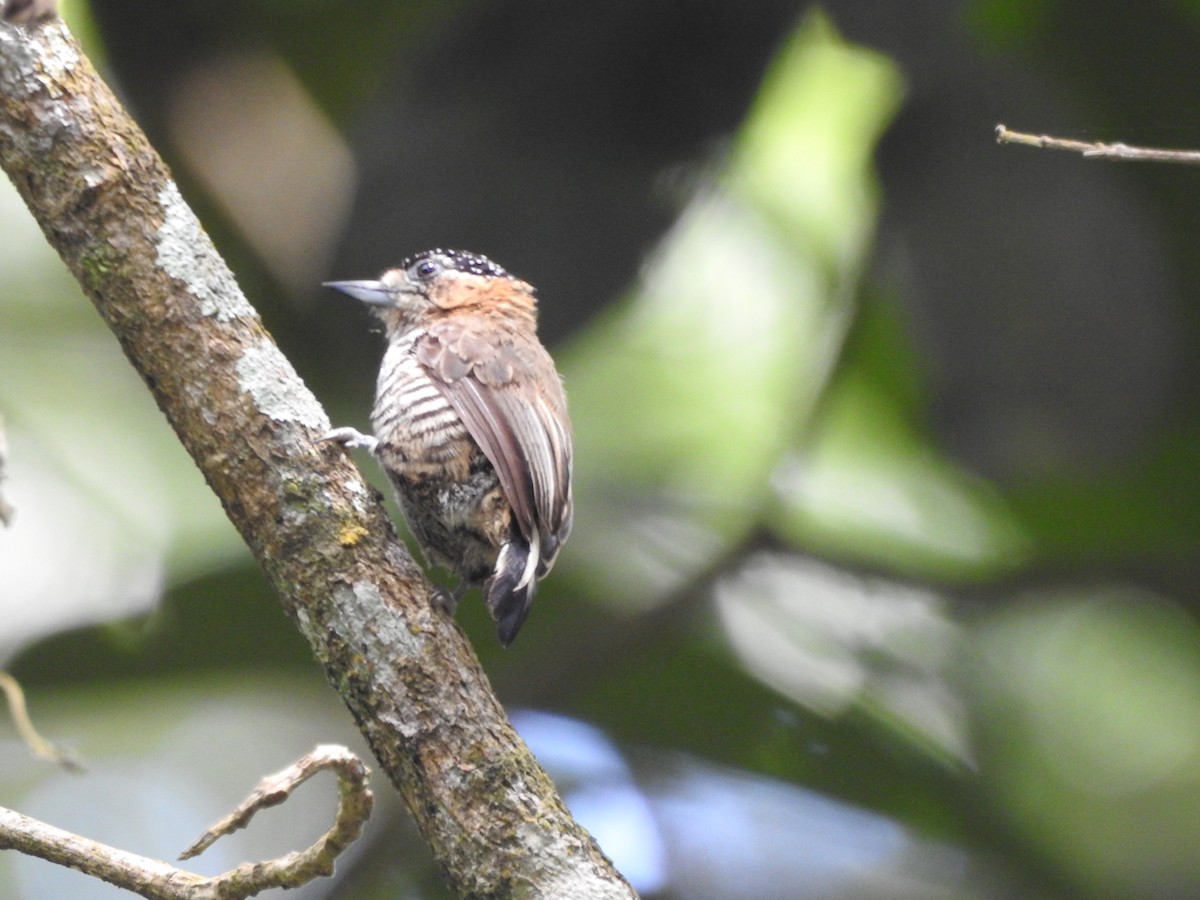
[(186, 253), (265, 374), (304, 621), (388, 628), (360, 496), (59, 55), (360, 610), (35, 64), (33, 71), (580, 885)]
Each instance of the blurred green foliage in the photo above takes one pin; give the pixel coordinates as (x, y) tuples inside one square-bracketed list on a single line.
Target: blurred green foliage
[(886, 444)]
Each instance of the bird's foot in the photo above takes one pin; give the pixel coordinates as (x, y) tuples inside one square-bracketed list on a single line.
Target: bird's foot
[(447, 601), (350, 438)]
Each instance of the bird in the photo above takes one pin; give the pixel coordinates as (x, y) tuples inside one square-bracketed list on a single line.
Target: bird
[(470, 424)]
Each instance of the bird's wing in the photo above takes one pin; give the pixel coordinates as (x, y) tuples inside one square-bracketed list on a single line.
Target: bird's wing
[(510, 399)]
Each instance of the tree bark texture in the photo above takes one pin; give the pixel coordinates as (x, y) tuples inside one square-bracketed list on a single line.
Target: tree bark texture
[(108, 205)]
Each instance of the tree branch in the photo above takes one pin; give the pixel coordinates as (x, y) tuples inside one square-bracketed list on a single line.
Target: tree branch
[(1096, 149), (160, 881), (107, 204)]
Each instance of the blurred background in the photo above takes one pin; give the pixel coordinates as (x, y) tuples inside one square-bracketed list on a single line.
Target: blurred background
[(884, 581)]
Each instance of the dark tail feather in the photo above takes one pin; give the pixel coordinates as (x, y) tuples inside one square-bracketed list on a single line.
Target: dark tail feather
[(509, 605)]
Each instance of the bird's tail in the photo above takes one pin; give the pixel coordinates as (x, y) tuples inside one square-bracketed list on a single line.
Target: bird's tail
[(509, 592)]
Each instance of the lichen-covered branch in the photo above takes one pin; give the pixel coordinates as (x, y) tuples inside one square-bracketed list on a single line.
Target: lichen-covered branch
[(160, 881), (107, 204)]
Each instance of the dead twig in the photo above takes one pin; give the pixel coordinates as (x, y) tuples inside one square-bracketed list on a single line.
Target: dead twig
[(1096, 149), (38, 745), (158, 880), (354, 803)]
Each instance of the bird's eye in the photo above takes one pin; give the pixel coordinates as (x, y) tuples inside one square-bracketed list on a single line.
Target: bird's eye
[(425, 269)]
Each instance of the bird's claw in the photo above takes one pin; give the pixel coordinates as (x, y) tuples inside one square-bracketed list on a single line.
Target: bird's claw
[(350, 438), (447, 601)]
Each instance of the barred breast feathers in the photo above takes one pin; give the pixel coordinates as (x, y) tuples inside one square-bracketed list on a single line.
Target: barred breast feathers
[(411, 415)]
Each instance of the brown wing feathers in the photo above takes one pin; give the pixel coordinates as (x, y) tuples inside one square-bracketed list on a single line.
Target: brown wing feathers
[(512, 420)]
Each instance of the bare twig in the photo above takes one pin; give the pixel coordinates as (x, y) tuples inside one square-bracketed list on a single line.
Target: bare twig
[(160, 881), (354, 805), (1097, 150), (147, 877), (38, 745), (108, 205)]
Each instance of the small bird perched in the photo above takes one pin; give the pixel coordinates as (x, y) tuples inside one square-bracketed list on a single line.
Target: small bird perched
[(470, 424)]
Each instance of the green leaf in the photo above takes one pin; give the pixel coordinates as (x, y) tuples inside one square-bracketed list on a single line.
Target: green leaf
[(687, 395)]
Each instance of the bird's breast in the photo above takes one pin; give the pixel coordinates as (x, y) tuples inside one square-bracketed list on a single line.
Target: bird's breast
[(420, 434)]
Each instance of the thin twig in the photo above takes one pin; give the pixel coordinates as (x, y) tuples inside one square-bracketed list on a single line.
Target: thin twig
[(1096, 149), (38, 745), (354, 805), (158, 880)]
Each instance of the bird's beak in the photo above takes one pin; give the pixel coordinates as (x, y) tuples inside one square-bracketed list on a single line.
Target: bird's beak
[(375, 293)]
